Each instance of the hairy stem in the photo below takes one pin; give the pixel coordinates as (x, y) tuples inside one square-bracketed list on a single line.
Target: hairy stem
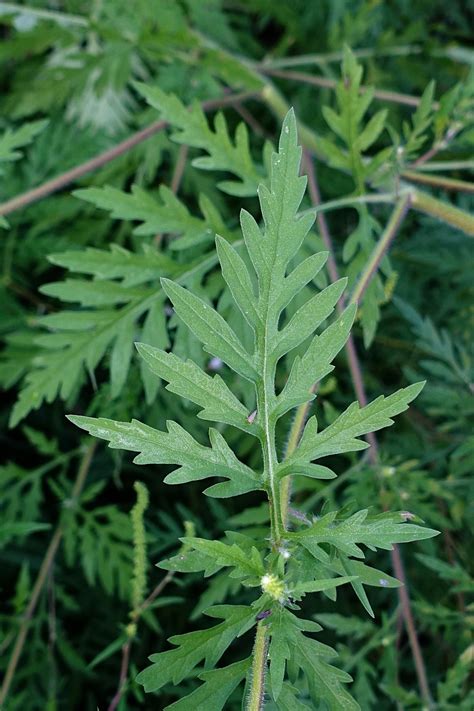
[(259, 668), (52, 186), (381, 248), (438, 181), (42, 578), (453, 216)]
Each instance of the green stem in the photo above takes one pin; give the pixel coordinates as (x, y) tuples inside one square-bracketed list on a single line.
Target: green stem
[(293, 438), (265, 396), (443, 211), (443, 165), (438, 181), (381, 248), (329, 57), (259, 668)]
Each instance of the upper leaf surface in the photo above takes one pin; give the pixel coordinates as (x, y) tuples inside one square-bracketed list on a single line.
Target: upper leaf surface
[(216, 335), (185, 378), (194, 647), (218, 686), (175, 447), (341, 435), (377, 532)]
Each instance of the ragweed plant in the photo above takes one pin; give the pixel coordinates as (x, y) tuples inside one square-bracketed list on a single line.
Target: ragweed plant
[(288, 562)]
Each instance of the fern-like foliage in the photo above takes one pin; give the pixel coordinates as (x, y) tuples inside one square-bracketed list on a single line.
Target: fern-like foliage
[(223, 153), (121, 298), (122, 294), (347, 149), (310, 558)]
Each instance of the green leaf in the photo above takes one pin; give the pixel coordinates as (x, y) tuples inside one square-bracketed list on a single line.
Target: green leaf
[(176, 447), (168, 214), (288, 700), (84, 337), (347, 124), (285, 629), (315, 364), (247, 564), (12, 140), (341, 435), (20, 528), (381, 531), (211, 329), (305, 272), (194, 647), (185, 378), (218, 686), (238, 280), (131, 268), (314, 471), (324, 680), (372, 130), (311, 586), (308, 318), (193, 130)]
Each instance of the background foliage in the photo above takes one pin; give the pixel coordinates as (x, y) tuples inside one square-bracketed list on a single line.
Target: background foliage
[(80, 283)]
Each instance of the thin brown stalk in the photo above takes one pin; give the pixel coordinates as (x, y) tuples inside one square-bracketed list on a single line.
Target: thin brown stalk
[(42, 578), (381, 248), (126, 648), (52, 186), (123, 675), (176, 178), (394, 97), (250, 120)]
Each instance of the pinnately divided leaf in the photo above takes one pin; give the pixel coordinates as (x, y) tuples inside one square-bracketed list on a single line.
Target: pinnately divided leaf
[(324, 680), (176, 447), (193, 130), (192, 648), (341, 436), (224, 555), (381, 531)]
